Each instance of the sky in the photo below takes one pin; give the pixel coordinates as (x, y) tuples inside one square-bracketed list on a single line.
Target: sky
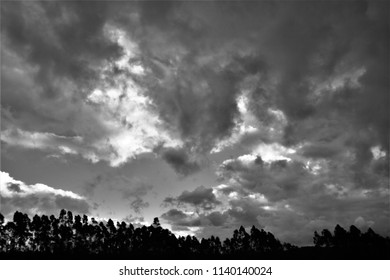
[(207, 114)]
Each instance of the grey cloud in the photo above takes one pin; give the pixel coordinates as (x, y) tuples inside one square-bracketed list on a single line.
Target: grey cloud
[(179, 160), (179, 218), (197, 58), (217, 218), (66, 46), (174, 214), (197, 80), (301, 58), (350, 42), (55, 54), (200, 105), (56, 46), (303, 50), (296, 201), (201, 197), (14, 188), (247, 212), (276, 180)]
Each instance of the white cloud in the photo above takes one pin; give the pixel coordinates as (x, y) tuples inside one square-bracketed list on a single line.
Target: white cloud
[(130, 48), (26, 190), (245, 124), (247, 159), (132, 126), (42, 141), (248, 125), (37, 198), (377, 152), (273, 152)]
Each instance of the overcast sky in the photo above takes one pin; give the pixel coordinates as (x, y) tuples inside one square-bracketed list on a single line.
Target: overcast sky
[(208, 115)]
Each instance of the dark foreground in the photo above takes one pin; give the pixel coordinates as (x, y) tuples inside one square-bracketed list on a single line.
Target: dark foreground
[(77, 238)]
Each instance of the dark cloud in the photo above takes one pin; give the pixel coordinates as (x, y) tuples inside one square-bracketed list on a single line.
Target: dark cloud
[(180, 219), (14, 188), (174, 215), (55, 55), (46, 30), (198, 196), (217, 218), (55, 45), (277, 180), (201, 197), (179, 160), (198, 60), (340, 45), (196, 80)]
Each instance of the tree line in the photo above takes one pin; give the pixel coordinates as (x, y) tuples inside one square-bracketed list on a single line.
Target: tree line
[(76, 237)]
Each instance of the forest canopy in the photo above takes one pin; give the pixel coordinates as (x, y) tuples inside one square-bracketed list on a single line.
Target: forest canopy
[(76, 237)]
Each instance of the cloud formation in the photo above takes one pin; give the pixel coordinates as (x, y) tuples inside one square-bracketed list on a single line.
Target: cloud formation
[(172, 73), (72, 84), (294, 198), (38, 198), (295, 93)]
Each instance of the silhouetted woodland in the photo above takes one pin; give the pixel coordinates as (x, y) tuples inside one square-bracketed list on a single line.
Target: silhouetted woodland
[(68, 237)]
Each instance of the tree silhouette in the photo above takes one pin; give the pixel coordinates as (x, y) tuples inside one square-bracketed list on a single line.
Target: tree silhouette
[(73, 237)]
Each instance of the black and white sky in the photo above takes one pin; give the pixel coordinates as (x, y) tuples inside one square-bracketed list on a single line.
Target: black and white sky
[(206, 114)]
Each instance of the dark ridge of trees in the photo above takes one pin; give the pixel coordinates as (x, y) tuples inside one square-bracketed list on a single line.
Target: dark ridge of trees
[(76, 237)]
